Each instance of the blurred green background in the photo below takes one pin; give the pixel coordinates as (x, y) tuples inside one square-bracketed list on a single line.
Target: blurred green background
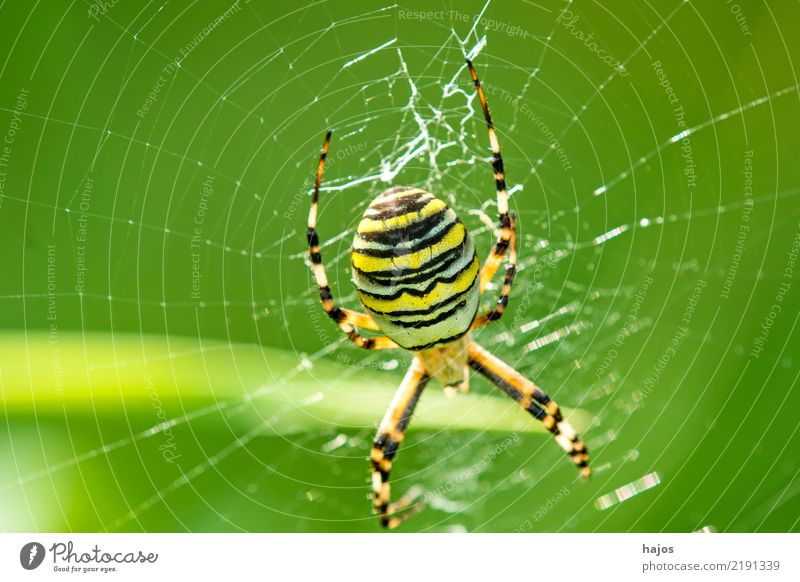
[(165, 365)]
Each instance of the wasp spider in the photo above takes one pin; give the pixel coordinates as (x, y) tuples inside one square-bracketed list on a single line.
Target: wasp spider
[(418, 277)]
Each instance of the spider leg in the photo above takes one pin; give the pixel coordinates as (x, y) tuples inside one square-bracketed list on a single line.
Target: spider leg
[(346, 319), (391, 432), (507, 238), (532, 399), (485, 319)]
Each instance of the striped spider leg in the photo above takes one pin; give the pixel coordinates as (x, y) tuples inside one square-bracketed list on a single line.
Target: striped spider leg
[(532, 399), (507, 239), (522, 390), (346, 319), (391, 432)]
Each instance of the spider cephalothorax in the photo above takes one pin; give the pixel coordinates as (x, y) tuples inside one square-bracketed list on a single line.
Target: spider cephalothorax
[(419, 279)]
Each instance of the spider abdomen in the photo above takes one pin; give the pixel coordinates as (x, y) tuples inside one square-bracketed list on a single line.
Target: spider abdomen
[(415, 269)]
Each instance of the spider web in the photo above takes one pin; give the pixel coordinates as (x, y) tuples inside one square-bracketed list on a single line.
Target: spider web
[(628, 214)]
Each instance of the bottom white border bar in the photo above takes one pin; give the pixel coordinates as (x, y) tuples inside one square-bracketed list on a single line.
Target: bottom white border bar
[(403, 557)]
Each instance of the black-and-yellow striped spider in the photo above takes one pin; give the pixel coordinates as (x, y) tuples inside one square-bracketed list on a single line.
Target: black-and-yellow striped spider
[(418, 277)]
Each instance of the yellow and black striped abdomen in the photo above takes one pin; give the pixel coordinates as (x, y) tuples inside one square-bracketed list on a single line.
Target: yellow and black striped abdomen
[(415, 269)]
